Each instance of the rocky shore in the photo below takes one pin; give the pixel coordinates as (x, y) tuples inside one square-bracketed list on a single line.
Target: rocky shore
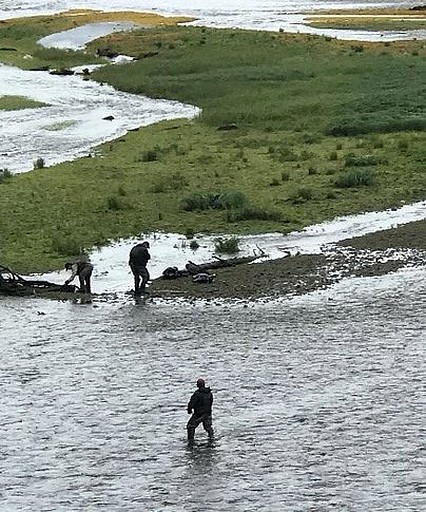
[(371, 255)]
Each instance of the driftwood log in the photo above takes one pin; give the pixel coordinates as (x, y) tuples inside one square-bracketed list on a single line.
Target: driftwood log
[(12, 283), (191, 268), (194, 268)]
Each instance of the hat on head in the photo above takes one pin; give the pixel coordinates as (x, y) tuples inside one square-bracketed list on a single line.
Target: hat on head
[(145, 244)]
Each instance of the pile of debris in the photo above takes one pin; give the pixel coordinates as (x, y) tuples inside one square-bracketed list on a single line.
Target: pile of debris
[(12, 283)]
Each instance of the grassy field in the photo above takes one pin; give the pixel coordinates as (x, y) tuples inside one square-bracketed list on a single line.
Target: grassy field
[(316, 128), (18, 102), (19, 37)]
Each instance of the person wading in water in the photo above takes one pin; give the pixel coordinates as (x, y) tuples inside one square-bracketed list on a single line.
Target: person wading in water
[(139, 257), (200, 406)]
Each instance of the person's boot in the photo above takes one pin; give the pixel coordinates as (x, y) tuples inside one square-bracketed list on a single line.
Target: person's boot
[(191, 435)]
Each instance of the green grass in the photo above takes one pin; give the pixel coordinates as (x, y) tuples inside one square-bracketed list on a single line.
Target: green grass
[(18, 103), (285, 93), (276, 82)]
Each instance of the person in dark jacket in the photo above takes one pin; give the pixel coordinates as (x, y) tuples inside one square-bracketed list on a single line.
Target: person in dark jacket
[(200, 406), (139, 257), (83, 270)]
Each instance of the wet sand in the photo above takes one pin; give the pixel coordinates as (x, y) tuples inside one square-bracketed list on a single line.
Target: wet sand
[(370, 255)]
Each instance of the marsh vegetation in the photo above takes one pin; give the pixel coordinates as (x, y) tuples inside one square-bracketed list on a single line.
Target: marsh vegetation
[(298, 128)]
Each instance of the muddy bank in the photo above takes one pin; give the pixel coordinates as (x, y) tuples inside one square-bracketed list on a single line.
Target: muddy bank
[(370, 255)]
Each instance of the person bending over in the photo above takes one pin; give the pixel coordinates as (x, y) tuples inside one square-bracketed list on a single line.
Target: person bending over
[(83, 270)]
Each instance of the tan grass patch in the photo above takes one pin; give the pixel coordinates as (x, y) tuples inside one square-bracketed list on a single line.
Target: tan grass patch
[(93, 16)]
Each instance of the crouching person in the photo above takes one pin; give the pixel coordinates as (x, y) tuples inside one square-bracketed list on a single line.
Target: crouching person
[(200, 406), (83, 270)]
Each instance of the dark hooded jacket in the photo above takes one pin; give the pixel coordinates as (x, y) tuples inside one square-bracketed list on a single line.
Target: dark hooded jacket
[(139, 256), (201, 402)]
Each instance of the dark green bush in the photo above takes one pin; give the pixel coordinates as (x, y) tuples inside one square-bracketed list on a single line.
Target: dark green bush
[(285, 176), (113, 203), (199, 202), (150, 156), (39, 163), (5, 174), (226, 201), (362, 160), (227, 245), (232, 199), (355, 178), (189, 233), (301, 195)]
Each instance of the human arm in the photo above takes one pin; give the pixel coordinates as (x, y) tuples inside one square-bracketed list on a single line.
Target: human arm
[(191, 404), (74, 270)]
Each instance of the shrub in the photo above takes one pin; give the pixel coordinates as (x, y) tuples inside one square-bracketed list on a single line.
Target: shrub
[(333, 156), (227, 245), (5, 174), (362, 160), (232, 199), (285, 176), (199, 202), (39, 163), (149, 156), (159, 188), (189, 233), (113, 203), (287, 155), (355, 178), (311, 138), (301, 195), (274, 183), (194, 245)]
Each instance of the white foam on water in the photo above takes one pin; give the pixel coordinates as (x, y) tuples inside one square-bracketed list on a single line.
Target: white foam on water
[(71, 123)]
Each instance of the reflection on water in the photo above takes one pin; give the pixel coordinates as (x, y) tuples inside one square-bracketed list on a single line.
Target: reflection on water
[(319, 402)]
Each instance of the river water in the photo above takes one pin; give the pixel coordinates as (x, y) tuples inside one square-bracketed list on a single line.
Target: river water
[(319, 399), (319, 403)]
